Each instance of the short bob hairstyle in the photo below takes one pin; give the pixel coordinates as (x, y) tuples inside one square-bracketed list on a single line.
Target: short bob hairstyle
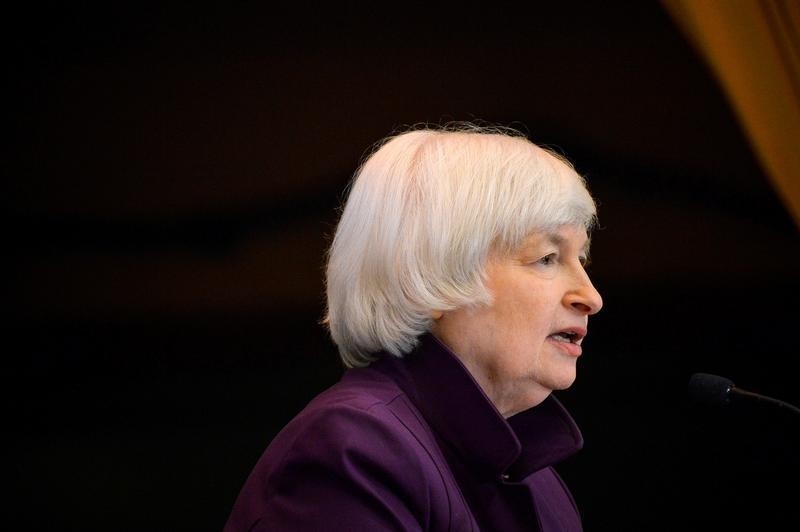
[(423, 212)]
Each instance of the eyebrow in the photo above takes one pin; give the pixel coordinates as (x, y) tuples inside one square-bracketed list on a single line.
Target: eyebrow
[(557, 240)]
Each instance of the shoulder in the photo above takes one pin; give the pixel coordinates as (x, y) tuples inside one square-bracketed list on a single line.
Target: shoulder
[(358, 451), (364, 415)]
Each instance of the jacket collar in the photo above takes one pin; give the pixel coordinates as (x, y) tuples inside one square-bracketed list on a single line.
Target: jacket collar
[(461, 414)]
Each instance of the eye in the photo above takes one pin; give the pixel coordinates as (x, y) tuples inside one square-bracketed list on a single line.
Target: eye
[(547, 260)]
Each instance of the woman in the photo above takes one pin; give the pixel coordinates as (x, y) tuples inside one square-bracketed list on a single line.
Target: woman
[(458, 299)]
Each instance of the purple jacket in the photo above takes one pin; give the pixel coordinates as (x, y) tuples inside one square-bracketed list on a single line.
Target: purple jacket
[(412, 444)]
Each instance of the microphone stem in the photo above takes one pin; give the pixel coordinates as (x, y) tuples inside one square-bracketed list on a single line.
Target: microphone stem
[(758, 396)]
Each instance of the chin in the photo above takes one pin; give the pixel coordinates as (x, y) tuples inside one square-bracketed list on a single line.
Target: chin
[(562, 382)]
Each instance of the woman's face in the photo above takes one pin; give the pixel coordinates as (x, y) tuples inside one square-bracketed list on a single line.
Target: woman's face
[(527, 342)]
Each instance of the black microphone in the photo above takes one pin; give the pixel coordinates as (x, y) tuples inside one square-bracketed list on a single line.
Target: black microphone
[(718, 391)]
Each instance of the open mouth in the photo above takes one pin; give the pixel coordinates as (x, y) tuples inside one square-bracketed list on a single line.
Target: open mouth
[(570, 337)]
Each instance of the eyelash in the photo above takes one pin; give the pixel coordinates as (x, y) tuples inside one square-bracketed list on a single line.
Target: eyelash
[(548, 259)]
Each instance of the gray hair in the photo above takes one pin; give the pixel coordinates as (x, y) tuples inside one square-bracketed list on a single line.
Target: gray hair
[(423, 211)]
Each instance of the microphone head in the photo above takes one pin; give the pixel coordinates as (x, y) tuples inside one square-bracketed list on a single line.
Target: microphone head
[(710, 389)]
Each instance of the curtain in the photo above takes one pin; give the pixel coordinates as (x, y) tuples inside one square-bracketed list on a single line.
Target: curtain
[(753, 49)]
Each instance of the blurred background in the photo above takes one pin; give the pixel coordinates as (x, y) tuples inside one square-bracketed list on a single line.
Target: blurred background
[(173, 178)]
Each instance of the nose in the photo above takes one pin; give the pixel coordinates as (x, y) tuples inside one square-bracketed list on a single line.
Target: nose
[(583, 296)]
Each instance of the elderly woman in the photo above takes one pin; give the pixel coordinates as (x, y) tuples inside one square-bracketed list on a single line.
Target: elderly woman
[(458, 300)]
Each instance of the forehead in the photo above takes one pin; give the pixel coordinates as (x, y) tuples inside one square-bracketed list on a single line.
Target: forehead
[(571, 235)]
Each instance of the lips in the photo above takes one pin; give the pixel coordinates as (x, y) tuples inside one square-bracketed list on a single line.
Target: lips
[(568, 340), (574, 335)]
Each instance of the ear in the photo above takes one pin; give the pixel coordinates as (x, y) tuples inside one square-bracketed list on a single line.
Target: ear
[(436, 314)]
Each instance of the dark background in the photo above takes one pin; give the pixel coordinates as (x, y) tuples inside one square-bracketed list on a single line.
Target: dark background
[(172, 181)]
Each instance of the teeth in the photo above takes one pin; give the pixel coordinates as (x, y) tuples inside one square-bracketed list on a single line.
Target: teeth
[(569, 337)]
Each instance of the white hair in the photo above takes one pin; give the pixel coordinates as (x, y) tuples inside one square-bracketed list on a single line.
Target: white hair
[(422, 214)]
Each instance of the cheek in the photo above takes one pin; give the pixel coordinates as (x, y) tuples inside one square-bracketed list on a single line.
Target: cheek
[(525, 328), (526, 317), (521, 316)]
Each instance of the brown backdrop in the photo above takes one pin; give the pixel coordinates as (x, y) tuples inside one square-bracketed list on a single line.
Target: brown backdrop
[(172, 181)]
